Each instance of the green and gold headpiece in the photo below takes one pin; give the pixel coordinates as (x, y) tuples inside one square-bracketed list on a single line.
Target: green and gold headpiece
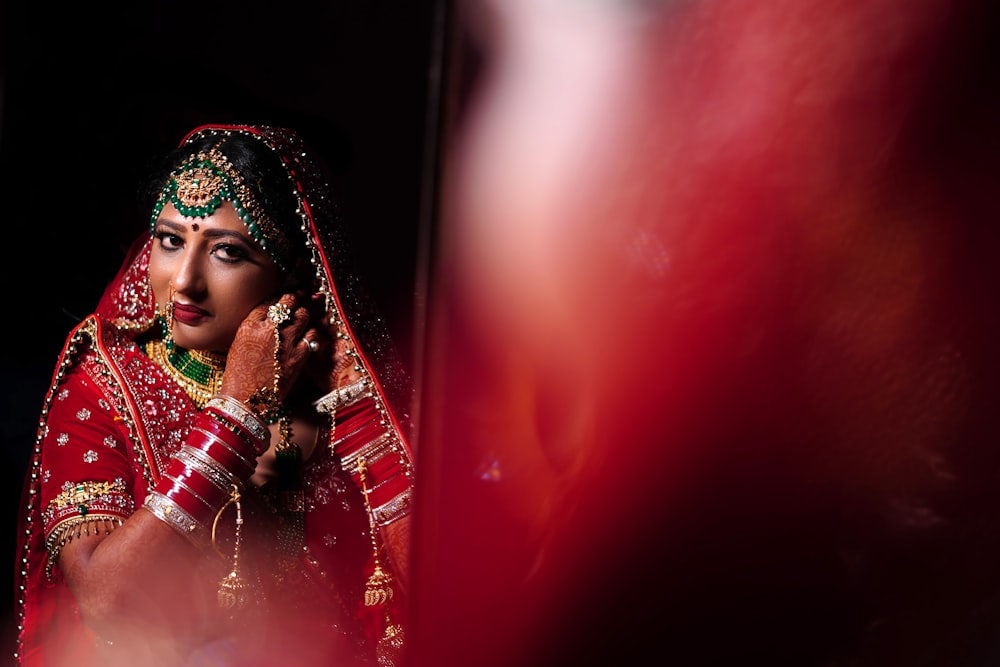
[(203, 182)]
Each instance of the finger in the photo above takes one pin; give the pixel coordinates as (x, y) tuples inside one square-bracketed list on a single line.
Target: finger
[(311, 340), (294, 329)]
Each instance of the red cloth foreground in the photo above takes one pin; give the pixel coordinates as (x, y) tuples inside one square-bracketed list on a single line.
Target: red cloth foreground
[(713, 340)]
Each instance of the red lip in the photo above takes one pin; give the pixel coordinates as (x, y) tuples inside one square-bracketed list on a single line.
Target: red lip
[(189, 314)]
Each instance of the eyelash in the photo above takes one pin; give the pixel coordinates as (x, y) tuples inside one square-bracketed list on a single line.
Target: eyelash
[(161, 237), (228, 253), (234, 253)]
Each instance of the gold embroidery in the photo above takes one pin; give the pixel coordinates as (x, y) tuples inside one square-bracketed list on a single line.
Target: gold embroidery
[(81, 526), (84, 493), (74, 503)]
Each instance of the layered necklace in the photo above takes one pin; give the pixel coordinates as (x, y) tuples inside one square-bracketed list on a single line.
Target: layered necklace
[(198, 373)]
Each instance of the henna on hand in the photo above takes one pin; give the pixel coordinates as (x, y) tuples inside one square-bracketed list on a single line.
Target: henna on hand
[(250, 365)]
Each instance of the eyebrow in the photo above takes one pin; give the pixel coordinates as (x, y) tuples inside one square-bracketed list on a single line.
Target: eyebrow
[(170, 224), (211, 232)]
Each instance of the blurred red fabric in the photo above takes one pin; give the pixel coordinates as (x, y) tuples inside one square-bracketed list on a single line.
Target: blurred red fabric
[(712, 340)]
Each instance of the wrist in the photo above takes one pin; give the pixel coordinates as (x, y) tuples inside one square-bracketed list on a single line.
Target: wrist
[(199, 479), (241, 419), (376, 460)]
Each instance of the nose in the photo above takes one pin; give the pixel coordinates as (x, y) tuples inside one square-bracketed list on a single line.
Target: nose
[(189, 275)]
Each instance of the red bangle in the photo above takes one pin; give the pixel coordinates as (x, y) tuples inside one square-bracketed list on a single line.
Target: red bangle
[(245, 449), (197, 482), (349, 447), (216, 448), (195, 507), (240, 441), (359, 429), (381, 493), (381, 470)]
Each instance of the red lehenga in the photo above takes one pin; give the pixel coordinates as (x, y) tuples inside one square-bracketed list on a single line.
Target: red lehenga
[(111, 419)]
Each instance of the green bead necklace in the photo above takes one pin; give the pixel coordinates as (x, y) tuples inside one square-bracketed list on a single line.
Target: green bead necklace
[(198, 373)]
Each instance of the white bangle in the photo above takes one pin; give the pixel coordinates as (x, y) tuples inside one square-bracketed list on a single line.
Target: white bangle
[(169, 512), (341, 397)]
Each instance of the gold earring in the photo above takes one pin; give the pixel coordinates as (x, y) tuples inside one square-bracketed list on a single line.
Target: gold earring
[(167, 324)]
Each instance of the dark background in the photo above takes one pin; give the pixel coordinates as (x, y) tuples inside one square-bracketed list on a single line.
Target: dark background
[(89, 94)]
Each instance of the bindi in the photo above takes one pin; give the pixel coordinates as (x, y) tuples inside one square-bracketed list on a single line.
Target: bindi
[(194, 226)]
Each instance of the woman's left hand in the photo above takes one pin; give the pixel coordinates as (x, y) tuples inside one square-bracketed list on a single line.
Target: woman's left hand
[(334, 363)]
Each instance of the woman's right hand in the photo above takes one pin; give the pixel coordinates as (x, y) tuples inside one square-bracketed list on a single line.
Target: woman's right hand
[(250, 365)]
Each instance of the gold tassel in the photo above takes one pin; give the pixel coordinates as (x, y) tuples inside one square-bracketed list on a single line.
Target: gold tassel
[(232, 589), (379, 591)]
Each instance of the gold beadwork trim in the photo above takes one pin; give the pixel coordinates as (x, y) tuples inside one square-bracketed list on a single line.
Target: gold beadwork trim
[(67, 531), (84, 492)]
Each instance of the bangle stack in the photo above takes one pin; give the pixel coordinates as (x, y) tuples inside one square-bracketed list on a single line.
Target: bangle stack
[(218, 454), (371, 450)]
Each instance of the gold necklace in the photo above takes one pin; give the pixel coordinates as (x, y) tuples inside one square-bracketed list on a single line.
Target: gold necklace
[(198, 373)]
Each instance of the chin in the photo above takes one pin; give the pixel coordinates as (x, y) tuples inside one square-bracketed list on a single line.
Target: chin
[(200, 342)]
